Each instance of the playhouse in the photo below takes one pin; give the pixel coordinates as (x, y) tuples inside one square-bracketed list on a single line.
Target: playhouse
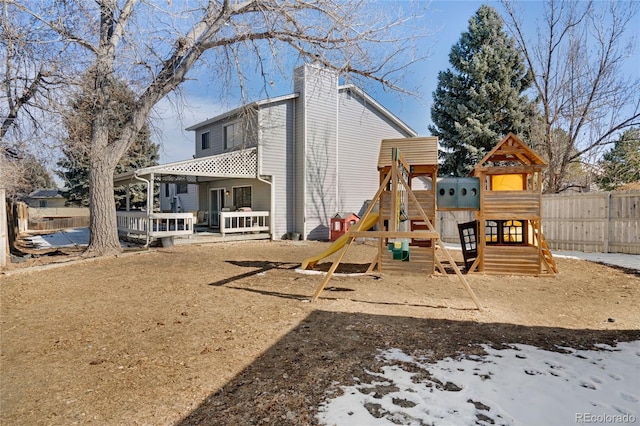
[(507, 231)]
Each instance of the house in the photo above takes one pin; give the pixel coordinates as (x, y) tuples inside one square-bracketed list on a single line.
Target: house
[(45, 198), (287, 163)]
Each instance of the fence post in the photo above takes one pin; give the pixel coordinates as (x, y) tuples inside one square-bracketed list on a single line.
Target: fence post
[(607, 222), (4, 242)]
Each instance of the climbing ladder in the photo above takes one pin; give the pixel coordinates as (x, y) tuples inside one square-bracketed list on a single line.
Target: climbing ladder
[(549, 263)]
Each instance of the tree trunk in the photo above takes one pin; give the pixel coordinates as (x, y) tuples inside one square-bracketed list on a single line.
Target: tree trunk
[(103, 227)]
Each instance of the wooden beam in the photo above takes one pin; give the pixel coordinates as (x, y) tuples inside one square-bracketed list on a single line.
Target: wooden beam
[(463, 280), (351, 239), (396, 234), (332, 270)]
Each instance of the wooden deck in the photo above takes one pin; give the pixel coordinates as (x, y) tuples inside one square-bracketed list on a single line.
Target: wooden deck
[(206, 235)]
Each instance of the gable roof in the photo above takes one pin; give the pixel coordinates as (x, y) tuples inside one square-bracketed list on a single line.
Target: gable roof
[(46, 193), (512, 149), (270, 101), (378, 107), (240, 109)]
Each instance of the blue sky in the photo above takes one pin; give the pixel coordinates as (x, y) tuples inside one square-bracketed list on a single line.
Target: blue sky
[(448, 20)]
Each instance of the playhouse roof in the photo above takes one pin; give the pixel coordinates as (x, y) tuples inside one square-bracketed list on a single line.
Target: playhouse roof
[(416, 151), (345, 215), (512, 149)]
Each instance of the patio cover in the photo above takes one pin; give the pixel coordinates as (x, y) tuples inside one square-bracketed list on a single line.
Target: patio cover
[(235, 164)]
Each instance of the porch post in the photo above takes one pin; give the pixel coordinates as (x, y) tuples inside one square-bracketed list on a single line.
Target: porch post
[(4, 240), (150, 194), (127, 197), (150, 186)]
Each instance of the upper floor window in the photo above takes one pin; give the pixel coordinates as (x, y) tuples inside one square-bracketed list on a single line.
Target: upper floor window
[(182, 188), (233, 135), (204, 140), (42, 203)]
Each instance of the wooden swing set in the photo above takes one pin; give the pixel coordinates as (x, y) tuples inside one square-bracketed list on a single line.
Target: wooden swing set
[(406, 236)]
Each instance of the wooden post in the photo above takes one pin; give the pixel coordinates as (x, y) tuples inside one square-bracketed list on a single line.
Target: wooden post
[(4, 241), (331, 270)]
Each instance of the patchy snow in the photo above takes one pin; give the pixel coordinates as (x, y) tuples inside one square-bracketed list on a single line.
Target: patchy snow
[(522, 385), (71, 237)]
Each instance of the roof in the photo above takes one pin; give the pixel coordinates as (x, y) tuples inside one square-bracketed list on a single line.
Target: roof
[(345, 88), (239, 110), (416, 151), (378, 106), (345, 215), (512, 149), (46, 193)]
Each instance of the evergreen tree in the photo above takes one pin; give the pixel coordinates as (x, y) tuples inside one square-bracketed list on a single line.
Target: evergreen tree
[(622, 163), (74, 165), (479, 100)]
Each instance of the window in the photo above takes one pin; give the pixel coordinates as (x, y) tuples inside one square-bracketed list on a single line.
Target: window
[(204, 140), (505, 232), (182, 188), (233, 135), (166, 190), (42, 203), (512, 232), (242, 196), (491, 232)]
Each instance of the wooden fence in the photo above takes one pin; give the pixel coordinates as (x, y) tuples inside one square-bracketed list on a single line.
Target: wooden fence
[(602, 222)]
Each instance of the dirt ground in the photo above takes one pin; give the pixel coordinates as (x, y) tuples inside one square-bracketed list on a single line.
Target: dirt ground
[(224, 334)]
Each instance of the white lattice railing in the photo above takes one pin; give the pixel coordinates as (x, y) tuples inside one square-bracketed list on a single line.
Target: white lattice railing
[(244, 222), (158, 225)]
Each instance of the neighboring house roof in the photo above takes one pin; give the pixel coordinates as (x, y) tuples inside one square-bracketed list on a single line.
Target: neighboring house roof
[(345, 88), (631, 186), (46, 193)]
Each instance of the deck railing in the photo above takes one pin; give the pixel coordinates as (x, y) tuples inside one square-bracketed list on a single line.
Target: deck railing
[(158, 225), (244, 222)]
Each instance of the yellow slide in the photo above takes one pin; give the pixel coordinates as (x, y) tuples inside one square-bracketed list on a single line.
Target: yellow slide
[(365, 225)]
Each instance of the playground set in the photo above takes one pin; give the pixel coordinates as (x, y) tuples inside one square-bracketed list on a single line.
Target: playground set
[(504, 191)]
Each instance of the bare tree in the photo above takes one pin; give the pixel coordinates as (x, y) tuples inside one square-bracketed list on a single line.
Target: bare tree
[(153, 45), (33, 76), (32, 85), (577, 61)]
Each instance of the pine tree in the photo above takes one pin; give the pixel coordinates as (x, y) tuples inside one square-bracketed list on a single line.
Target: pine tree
[(74, 164), (621, 164), (479, 100)]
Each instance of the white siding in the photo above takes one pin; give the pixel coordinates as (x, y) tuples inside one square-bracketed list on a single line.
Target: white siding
[(216, 134), (361, 129), (186, 202)]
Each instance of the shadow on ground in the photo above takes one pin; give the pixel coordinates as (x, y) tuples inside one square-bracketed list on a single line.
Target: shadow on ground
[(287, 383)]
